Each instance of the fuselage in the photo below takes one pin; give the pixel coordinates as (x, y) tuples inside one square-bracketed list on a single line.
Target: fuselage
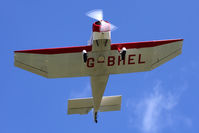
[(101, 44)]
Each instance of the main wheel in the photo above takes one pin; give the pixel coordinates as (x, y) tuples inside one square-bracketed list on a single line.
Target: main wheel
[(85, 57), (123, 54)]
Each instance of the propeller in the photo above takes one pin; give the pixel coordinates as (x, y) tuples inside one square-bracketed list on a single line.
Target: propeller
[(98, 15)]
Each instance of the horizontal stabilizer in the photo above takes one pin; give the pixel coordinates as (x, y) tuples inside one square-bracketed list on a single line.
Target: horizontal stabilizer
[(110, 103), (83, 106), (80, 106)]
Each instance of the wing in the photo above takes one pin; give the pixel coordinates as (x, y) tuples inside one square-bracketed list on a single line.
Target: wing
[(53, 62), (143, 56)]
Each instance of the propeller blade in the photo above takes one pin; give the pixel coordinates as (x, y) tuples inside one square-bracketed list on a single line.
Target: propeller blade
[(113, 27), (105, 26), (96, 14)]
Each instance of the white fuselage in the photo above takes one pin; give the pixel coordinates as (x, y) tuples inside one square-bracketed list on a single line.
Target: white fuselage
[(101, 42), (101, 35)]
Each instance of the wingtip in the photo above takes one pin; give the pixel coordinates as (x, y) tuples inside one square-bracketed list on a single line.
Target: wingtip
[(180, 39)]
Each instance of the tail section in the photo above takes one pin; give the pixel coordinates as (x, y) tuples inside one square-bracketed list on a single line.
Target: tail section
[(83, 106)]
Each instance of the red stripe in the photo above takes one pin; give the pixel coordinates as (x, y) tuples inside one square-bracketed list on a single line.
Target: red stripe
[(142, 44), (57, 50), (89, 48)]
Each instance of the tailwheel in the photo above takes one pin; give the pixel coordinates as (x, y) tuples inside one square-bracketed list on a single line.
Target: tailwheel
[(95, 117)]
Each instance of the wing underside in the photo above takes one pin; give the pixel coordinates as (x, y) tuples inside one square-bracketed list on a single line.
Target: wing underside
[(53, 63), (145, 57), (68, 61), (34, 63)]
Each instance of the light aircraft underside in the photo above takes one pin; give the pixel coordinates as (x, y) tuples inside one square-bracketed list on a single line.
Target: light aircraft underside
[(98, 60)]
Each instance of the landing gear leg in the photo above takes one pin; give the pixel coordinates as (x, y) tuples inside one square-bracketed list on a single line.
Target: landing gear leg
[(95, 117), (123, 53), (85, 55)]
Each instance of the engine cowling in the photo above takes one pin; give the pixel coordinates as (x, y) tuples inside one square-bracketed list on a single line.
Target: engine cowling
[(101, 26)]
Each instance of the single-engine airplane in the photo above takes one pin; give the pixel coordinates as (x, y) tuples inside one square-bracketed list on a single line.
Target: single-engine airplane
[(98, 60)]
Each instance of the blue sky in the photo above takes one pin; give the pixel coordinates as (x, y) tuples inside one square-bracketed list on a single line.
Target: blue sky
[(159, 101)]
